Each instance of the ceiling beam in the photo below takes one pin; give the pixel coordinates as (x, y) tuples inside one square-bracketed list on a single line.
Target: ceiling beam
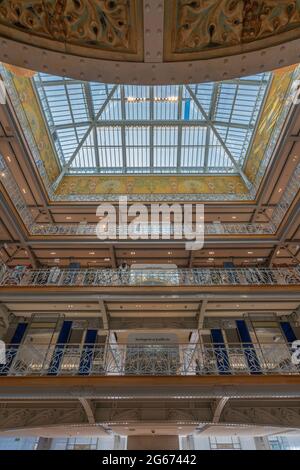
[(104, 314), (219, 137), (12, 220), (201, 314), (218, 409), (87, 133)]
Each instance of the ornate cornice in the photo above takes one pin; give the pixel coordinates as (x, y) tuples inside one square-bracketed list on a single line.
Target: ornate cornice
[(209, 28), (135, 41), (84, 27)]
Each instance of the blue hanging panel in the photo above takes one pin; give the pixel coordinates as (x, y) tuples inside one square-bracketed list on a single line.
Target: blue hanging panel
[(60, 347), (12, 350), (288, 331), (187, 108), (220, 351), (249, 351), (87, 355)]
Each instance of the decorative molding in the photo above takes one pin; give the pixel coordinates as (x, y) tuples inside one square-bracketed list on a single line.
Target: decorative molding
[(88, 28), (212, 28)]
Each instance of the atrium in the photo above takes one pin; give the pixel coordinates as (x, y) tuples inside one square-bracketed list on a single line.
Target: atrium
[(141, 338)]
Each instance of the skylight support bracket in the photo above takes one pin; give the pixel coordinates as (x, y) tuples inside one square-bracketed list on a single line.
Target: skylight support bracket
[(219, 137), (151, 130), (123, 132), (87, 133), (89, 99), (179, 137)]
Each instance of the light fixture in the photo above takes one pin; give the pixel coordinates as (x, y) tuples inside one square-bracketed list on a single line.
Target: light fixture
[(211, 252), (233, 217), (132, 253), (2, 174), (91, 253), (250, 252), (52, 253), (68, 217), (169, 252), (106, 259)]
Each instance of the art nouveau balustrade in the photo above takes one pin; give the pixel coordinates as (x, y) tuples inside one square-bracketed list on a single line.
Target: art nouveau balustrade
[(149, 359), (154, 277)]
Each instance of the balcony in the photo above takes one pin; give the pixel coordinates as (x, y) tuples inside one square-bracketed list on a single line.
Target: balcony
[(56, 277), (149, 360)]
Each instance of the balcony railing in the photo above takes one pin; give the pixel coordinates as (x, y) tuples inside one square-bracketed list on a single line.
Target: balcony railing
[(150, 277), (149, 359)]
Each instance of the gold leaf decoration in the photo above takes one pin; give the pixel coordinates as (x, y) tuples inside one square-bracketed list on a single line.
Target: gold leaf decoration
[(105, 24), (193, 26)]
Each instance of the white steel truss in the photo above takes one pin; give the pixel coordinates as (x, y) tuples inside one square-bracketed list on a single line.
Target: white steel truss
[(106, 129)]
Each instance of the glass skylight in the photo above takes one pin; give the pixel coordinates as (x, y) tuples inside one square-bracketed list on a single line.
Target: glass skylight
[(108, 129)]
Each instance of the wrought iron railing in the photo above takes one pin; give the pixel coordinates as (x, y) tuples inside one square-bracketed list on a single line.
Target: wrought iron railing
[(89, 229), (154, 277), (149, 359)]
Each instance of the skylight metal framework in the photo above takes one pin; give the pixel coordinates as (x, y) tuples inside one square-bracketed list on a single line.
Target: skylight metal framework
[(121, 129)]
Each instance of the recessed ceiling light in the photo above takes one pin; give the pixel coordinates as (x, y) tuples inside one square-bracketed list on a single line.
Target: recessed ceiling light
[(250, 252), (52, 253), (91, 253), (233, 217)]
